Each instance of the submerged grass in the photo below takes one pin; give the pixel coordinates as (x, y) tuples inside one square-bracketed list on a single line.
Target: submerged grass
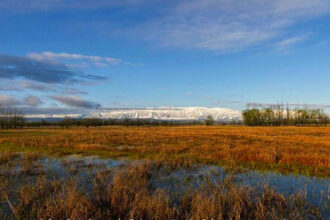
[(129, 193)]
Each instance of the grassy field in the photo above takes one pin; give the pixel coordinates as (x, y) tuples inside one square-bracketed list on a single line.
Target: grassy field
[(303, 150), (165, 173)]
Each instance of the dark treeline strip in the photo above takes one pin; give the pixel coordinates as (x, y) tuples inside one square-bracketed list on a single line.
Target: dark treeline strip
[(280, 115), (95, 122), (11, 118)]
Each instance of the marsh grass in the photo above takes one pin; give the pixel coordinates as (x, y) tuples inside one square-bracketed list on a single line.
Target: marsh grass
[(285, 149), (129, 192), (134, 189), (53, 200)]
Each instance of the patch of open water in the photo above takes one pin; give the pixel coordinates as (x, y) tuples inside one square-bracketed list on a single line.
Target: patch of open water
[(178, 181)]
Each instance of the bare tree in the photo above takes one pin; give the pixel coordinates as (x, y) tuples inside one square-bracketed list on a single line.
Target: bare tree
[(67, 122), (11, 118), (209, 120), (278, 115)]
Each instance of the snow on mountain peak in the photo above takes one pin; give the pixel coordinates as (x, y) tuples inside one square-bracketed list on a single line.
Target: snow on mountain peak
[(172, 113), (161, 113)]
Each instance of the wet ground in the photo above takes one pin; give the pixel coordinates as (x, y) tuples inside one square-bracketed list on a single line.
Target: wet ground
[(20, 171)]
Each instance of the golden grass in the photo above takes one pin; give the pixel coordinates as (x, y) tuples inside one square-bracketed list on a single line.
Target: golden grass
[(30, 157), (7, 156), (129, 197), (287, 148), (53, 200), (128, 194)]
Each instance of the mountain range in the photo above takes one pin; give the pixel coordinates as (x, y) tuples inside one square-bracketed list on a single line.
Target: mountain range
[(161, 113)]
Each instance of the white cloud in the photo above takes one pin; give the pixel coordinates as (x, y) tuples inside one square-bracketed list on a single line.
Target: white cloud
[(33, 86), (6, 100), (226, 25), (10, 101), (78, 59), (289, 42), (26, 85), (75, 101), (46, 5), (38, 70), (32, 101), (219, 25), (302, 7)]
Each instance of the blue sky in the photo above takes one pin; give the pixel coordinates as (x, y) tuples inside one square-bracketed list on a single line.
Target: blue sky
[(151, 53)]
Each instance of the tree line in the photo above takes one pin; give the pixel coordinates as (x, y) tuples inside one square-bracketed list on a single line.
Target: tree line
[(281, 115), (95, 122), (11, 118)]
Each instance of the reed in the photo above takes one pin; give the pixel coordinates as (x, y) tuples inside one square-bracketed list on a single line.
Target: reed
[(128, 193)]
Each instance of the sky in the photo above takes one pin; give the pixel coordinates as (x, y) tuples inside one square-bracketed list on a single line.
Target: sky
[(149, 53)]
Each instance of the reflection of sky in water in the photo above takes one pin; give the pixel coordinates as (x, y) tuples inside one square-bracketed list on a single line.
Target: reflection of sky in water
[(317, 189), (177, 182)]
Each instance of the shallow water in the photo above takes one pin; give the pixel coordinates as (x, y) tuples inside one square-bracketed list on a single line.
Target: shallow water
[(317, 190), (173, 181)]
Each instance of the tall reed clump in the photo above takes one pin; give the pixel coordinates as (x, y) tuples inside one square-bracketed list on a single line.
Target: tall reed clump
[(53, 200), (130, 196), (230, 201)]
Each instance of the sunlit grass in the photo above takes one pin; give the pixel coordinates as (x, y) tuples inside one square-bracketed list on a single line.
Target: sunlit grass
[(303, 150), (132, 192)]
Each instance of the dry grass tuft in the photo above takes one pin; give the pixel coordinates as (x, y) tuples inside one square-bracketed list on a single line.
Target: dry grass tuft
[(54, 200), (7, 156), (29, 157), (130, 197)]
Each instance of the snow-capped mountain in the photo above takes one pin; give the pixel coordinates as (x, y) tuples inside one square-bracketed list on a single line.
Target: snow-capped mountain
[(162, 113)]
